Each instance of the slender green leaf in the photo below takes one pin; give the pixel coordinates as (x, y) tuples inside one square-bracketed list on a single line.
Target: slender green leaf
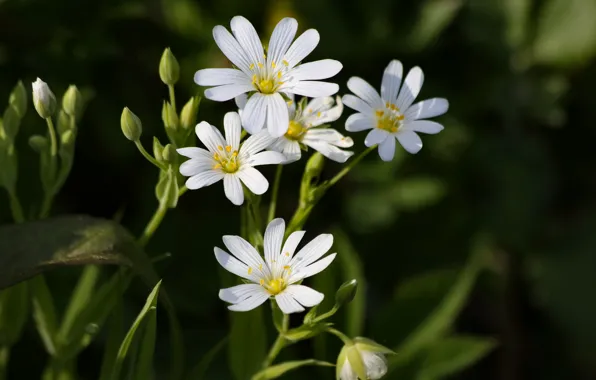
[(277, 370), (44, 313), (115, 336), (247, 327), (150, 305), (453, 354), (144, 365), (14, 312), (200, 370)]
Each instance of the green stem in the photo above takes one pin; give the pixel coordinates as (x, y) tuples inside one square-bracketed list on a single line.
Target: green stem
[(172, 96), (15, 208), (274, 192), (349, 166), (53, 140), (149, 157), (243, 134), (279, 343), (340, 335), (48, 197), (156, 220), (4, 356)]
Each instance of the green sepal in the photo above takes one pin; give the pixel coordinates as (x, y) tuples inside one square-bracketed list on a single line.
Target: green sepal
[(166, 190), (365, 344)]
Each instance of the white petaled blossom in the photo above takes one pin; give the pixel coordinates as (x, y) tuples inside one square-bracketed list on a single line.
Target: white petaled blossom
[(392, 115), (267, 76), (277, 274), (44, 100), (364, 359), (302, 129), (228, 159)]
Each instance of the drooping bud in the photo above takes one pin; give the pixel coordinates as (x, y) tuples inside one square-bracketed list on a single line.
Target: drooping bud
[(346, 293), (38, 143), (188, 116), (72, 101), (18, 99), (11, 122), (43, 99), (169, 69), (131, 125), (364, 359)]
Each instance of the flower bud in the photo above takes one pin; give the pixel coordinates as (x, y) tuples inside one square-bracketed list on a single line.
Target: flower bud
[(364, 359), (312, 171), (157, 149), (38, 143), (43, 99), (169, 116), (188, 116), (18, 99), (72, 101), (168, 154), (67, 138), (63, 124), (11, 122), (346, 292), (131, 125), (169, 70)]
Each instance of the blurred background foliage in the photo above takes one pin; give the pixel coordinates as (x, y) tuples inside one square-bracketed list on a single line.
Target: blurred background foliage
[(509, 176)]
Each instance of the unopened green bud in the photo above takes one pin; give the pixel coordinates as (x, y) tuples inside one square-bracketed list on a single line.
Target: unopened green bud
[(67, 138), (38, 143), (157, 149), (188, 116), (11, 122), (131, 125), (168, 154), (72, 101), (169, 70), (43, 99), (169, 116), (362, 358), (312, 171), (63, 124), (346, 292), (18, 99)]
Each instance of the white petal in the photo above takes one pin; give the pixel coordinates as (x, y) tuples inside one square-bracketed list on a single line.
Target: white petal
[(323, 69), (391, 80), (314, 89), (304, 295), (287, 303), (427, 108), (233, 129), (387, 149), (358, 104), (228, 91), (312, 269), (359, 122), (233, 189), (365, 91), (250, 303), (410, 89), (246, 253), (277, 115), (281, 39), (196, 165), (289, 148), (267, 158), (240, 101), (231, 48), (233, 265), (303, 46), (410, 141), (253, 179), (347, 373), (248, 38), (255, 144), (254, 112), (239, 293), (291, 244), (320, 104), (203, 179), (325, 115), (272, 240), (375, 363), (312, 251), (219, 77), (424, 126), (330, 151), (376, 136), (328, 135), (209, 136), (194, 153)]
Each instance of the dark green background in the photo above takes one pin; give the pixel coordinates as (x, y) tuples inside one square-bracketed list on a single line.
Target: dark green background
[(516, 160)]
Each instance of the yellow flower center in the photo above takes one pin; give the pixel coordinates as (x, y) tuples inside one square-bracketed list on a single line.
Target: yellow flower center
[(267, 78), (266, 86), (227, 160), (295, 131), (275, 286), (390, 118)]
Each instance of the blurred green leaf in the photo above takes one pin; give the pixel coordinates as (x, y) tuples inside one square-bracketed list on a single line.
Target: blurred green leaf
[(44, 313), (276, 371), (148, 309), (436, 15), (566, 32), (517, 15), (414, 193), (144, 365), (14, 313), (115, 327), (453, 354), (33, 247), (247, 327)]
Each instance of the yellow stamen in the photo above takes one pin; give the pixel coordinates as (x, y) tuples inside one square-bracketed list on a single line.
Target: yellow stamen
[(252, 66), (260, 65), (380, 113), (262, 282), (228, 148), (286, 267), (285, 62), (249, 270), (318, 114), (279, 75), (219, 147), (272, 65), (254, 79), (266, 86), (287, 254), (260, 266), (216, 166)]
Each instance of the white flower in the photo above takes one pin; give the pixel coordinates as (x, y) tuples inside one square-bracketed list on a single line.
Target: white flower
[(228, 159), (269, 74), (390, 115), (44, 100), (276, 276), (302, 130), (364, 359)]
